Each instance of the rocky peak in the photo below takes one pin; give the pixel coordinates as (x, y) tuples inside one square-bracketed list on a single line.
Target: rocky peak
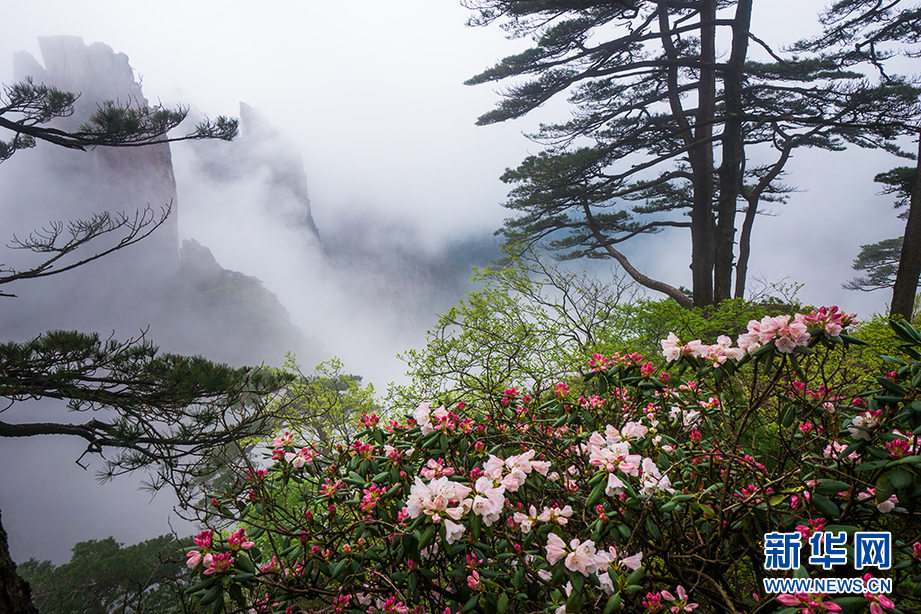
[(109, 179)]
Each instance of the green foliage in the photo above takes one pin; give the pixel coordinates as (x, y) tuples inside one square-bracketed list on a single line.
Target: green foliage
[(880, 339), (531, 321), (26, 107), (649, 321), (655, 490), (321, 408), (106, 577), (171, 411), (324, 407), (526, 326)]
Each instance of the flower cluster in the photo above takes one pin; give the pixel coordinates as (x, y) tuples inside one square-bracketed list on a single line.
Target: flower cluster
[(784, 332), (578, 499)]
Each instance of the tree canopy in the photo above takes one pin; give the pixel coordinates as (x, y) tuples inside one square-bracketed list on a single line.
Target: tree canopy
[(26, 110), (105, 577), (664, 126), (874, 33)]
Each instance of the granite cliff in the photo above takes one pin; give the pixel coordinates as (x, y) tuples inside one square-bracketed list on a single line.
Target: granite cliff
[(190, 302)]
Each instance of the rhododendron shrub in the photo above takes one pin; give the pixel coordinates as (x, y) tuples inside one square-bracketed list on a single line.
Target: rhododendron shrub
[(651, 495)]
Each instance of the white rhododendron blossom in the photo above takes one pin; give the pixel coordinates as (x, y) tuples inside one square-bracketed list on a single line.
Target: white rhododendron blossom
[(652, 480), (785, 334), (673, 349), (423, 417), (488, 500), (438, 498), (862, 424)]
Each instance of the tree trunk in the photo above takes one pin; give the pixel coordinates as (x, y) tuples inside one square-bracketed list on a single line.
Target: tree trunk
[(733, 154), (906, 279), (15, 594), (701, 159), (754, 197)]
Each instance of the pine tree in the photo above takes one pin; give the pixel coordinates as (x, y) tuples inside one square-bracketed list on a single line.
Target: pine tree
[(663, 126), (872, 33), (167, 412)]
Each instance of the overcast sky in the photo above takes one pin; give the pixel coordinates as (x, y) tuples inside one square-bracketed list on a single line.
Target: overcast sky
[(372, 92)]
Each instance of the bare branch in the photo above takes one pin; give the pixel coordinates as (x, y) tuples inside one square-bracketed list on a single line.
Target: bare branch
[(53, 240)]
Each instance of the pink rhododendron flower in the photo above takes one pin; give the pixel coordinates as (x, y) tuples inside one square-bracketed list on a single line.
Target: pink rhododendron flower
[(453, 530), (283, 441), (898, 448), (237, 541), (883, 506), (526, 521), (680, 602), (718, 353), (829, 319), (863, 423), (436, 499), (834, 450), (204, 539), (218, 563), (556, 515), (194, 557), (785, 334), (582, 558), (672, 348), (652, 480), (271, 566), (813, 604), (598, 362), (488, 501), (653, 602)]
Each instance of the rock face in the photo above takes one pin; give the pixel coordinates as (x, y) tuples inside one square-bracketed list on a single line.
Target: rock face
[(262, 156), (191, 304), (109, 179)]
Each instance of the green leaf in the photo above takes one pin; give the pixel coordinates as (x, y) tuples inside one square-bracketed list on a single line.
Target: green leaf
[(636, 575), (900, 478), (595, 496), (613, 604), (204, 584), (212, 594), (243, 563), (832, 487), (502, 604), (788, 417), (236, 593), (891, 386), (427, 537), (518, 580), (652, 528), (825, 505), (575, 601), (337, 570)]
